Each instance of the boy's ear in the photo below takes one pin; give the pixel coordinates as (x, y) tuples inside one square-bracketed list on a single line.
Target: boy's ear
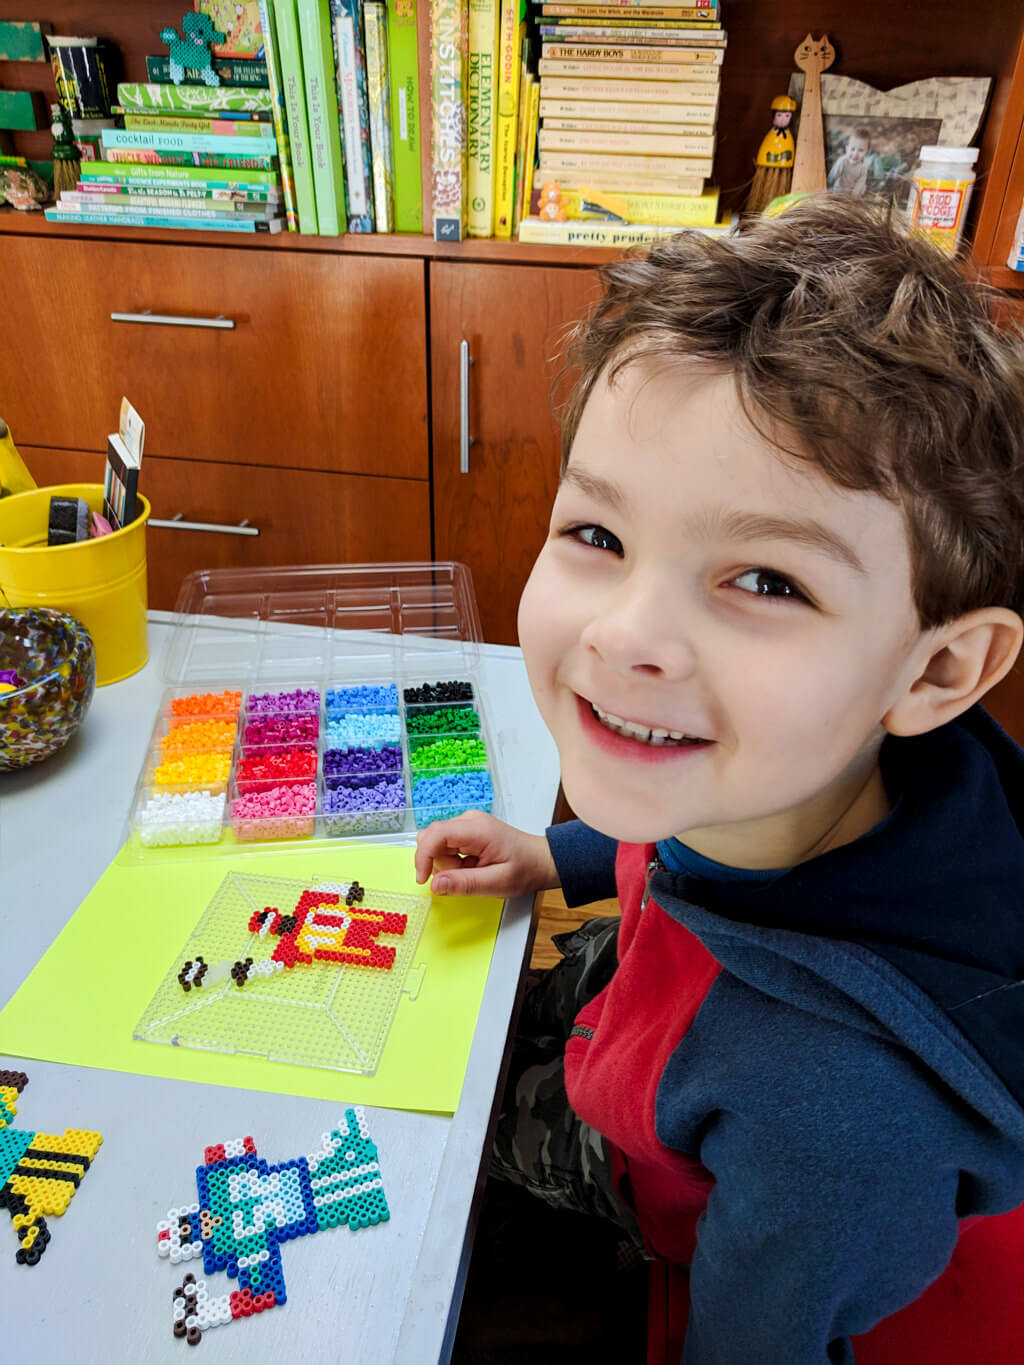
[(968, 657)]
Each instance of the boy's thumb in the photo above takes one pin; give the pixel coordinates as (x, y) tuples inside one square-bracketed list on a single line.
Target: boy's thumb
[(468, 881)]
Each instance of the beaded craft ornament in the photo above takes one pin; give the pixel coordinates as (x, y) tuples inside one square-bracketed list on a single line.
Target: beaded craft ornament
[(247, 1208), (39, 1172)]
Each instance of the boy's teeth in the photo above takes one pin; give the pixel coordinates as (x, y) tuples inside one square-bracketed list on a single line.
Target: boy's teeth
[(644, 733)]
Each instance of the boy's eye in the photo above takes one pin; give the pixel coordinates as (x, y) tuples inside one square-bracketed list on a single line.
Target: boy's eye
[(767, 583), (597, 537)]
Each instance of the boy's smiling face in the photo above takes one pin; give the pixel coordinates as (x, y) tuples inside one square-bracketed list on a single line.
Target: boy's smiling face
[(714, 633)]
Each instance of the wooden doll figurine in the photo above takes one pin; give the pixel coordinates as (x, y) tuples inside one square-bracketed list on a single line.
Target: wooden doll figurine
[(774, 161)]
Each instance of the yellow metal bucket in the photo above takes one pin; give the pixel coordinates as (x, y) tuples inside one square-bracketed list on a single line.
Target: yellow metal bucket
[(102, 582)]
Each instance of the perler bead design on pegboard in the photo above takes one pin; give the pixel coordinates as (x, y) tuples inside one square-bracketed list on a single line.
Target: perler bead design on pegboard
[(39, 1172), (292, 971), (247, 1208)]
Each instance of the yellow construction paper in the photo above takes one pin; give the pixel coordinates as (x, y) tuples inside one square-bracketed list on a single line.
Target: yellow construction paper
[(84, 997)]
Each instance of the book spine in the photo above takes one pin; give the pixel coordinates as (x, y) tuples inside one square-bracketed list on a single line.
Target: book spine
[(170, 140), (530, 166), (449, 49), (226, 224), (322, 116), (621, 113), (608, 52), (181, 175), (683, 11), (512, 20), (199, 99), (378, 89), (160, 157), (637, 71), (559, 10), (350, 64), (631, 181), (211, 127), (481, 131), (293, 83), (592, 234), (642, 126), (619, 24), (522, 121), (696, 167), (698, 145), (257, 194), (116, 201), (278, 113), (675, 91), (405, 114), (587, 31), (232, 71), (659, 210)]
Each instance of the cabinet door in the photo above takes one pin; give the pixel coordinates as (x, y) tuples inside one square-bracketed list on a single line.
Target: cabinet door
[(324, 366), (301, 516), (495, 516)]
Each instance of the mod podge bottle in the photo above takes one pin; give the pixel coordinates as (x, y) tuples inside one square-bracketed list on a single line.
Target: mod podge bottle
[(942, 182)]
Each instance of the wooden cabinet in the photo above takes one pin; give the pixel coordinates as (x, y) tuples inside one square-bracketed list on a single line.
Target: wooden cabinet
[(298, 516), (491, 510), (304, 361)]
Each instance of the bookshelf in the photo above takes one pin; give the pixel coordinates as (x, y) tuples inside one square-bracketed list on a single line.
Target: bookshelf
[(362, 459)]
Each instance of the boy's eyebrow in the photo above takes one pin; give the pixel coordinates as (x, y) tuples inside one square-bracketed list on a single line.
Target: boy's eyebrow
[(800, 531), (594, 486)]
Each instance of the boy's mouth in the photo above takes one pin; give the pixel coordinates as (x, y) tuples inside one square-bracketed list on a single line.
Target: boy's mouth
[(645, 734)]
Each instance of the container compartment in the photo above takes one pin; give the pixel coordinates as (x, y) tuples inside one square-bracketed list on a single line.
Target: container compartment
[(365, 804), (188, 773), (274, 732), (442, 692), (442, 796), (278, 813), (301, 700), (362, 729), (185, 705), (448, 753), (340, 763), (455, 718), (196, 736), (163, 819), (261, 771), (350, 699)]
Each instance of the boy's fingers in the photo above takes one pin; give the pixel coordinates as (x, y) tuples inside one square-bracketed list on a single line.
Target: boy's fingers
[(472, 881)]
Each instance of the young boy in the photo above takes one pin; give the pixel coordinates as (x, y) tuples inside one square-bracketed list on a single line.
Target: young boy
[(850, 172), (786, 559)]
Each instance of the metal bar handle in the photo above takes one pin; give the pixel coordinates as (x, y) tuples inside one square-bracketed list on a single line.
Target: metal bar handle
[(178, 523), (465, 440), (171, 320)]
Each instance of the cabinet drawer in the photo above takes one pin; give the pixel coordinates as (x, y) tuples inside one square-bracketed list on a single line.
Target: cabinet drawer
[(324, 367), (303, 517)]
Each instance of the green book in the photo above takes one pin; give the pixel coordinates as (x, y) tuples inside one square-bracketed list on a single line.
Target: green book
[(289, 51), (196, 99), (128, 172), (280, 117), (231, 72), (322, 113), (406, 133), (194, 123)]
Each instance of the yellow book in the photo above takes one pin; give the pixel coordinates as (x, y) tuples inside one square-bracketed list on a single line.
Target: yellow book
[(637, 71), (696, 166), (658, 210), (684, 85), (629, 181), (522, 117), (622, 113), (608, 234), (482, 127), (513, 23), (531, 146), (656, 143)]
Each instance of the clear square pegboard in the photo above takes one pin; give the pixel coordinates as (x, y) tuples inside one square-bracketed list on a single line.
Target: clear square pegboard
[(313, 703), (309, 972)]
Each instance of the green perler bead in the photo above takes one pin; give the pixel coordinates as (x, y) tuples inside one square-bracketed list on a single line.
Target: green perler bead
[(451, 754), (443, 720)]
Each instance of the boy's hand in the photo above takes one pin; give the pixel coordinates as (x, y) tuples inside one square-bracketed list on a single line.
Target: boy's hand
[(477, 855)]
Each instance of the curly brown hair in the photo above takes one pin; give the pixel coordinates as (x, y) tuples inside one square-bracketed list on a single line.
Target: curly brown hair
[(871, 351)]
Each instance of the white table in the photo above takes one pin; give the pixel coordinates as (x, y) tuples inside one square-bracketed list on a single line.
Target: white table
[(100, 1294)]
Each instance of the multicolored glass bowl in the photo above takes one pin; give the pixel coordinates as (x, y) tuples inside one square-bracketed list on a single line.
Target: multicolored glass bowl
[(52, 654)]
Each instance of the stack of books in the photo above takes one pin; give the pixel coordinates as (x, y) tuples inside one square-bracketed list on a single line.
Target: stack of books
[(189, 156), (628, 108)]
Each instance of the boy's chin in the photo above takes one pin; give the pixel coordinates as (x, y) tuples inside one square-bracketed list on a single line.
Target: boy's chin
[(633, 826)]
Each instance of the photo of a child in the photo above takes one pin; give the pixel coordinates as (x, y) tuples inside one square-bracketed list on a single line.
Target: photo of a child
[(872, 157)]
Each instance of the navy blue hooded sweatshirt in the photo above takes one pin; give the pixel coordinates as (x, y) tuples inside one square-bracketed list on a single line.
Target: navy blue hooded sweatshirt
[(812, 1085)]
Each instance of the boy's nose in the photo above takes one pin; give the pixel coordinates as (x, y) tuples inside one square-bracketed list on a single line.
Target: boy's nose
[(642, 631)]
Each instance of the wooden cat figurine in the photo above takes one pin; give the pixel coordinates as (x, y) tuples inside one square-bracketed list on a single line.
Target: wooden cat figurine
[(813, 56)]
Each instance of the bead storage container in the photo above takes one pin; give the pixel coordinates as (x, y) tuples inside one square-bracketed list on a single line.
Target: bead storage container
[(316, 703)]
